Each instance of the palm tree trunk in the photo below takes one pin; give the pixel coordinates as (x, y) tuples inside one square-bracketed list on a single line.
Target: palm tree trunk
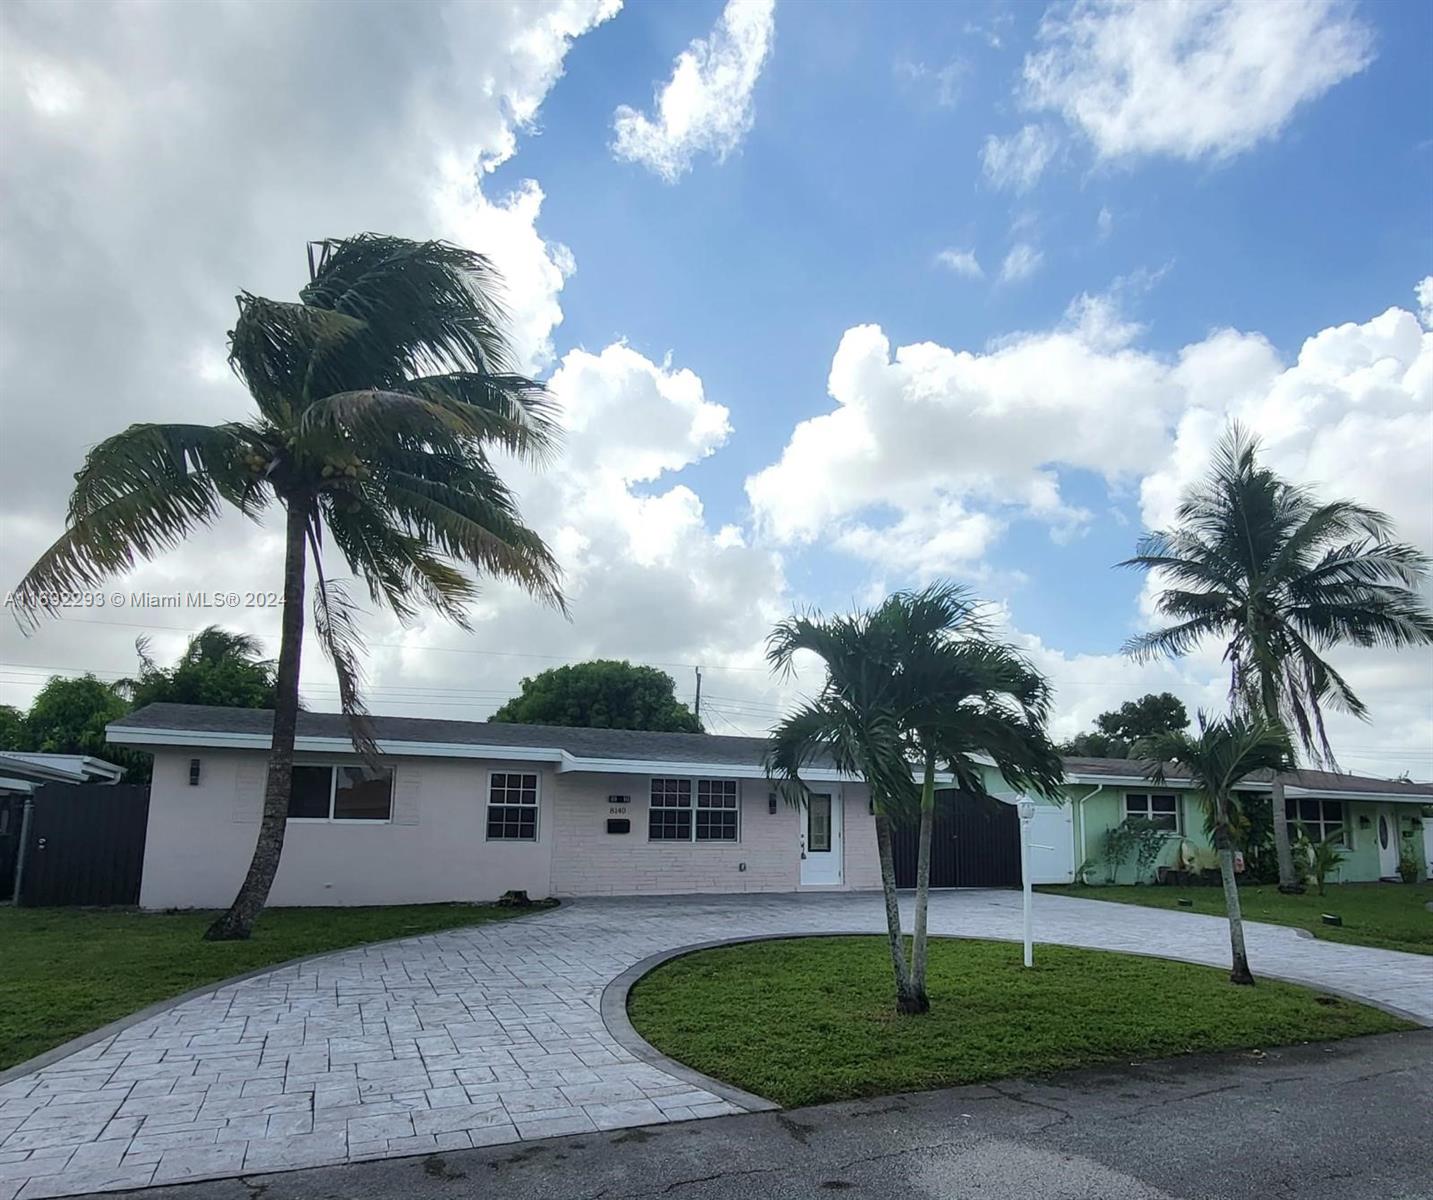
[(904, 994), (1240, 972), (238, 922), (918, 937), (1288, 877)]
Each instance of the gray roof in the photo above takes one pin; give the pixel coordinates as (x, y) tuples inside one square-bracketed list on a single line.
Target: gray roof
[(637, 744), (1310, 780), (633, 744)]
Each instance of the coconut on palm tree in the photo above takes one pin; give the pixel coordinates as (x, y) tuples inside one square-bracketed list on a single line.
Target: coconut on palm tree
[(1281, 578), (380, 395), (915, 686), (1223, 755)]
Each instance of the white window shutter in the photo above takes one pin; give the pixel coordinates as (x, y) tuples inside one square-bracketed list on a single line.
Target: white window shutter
[(407, 791), (249, 782)]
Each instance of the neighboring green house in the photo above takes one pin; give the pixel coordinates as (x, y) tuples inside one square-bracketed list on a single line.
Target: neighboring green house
[(1380, 822)]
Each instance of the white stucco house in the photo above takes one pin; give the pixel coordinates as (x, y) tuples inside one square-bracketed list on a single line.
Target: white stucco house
[(466, 810)]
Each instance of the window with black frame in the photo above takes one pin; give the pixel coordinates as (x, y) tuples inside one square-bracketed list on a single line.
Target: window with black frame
[(1321, 820), (718, 810), (669, 812), (512, 806), (1158, 808)]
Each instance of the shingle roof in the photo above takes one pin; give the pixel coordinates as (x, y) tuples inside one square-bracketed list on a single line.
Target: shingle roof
[(633, 744)]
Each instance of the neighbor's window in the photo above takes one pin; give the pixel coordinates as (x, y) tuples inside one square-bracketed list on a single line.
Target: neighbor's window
[(717, 810), (346, 793), (1159, 807), (669, 814), (512, 806), (1321, 819)]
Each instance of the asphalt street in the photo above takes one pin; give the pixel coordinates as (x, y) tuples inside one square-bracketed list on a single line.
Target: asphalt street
[(1352, 1120)]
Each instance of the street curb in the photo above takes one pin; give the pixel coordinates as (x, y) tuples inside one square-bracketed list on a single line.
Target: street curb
[(85, 1040)]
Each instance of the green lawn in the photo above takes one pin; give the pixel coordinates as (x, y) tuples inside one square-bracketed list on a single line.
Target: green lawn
[(807, 1020), (69, 970), (1390, 915)]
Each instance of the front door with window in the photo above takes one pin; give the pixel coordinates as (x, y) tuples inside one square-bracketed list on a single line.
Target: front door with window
[(1386, 834), (821, 838)]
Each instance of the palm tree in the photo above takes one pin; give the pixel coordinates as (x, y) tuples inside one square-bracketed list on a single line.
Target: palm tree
[(379, 395), (915, 684), (1224, 754), (1281, 577)]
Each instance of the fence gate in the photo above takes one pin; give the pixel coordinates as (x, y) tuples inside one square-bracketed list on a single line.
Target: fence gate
[(974, 843), (86, 844)]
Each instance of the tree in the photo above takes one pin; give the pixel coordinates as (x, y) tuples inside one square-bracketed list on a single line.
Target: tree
[(68, 716), (217, 668), (917, 684), (1281, 577), (1224, 754), (1115, 732), (14, 735), (602, 694), (379, 395)]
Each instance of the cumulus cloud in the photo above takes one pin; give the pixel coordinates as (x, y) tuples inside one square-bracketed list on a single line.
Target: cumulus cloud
[(1022, 262), (1209, 78), (1017, 162), (706, 106), (1424, 293), (962, 262)]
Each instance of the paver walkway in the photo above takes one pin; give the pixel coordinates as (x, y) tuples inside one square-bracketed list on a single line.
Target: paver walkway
[(494, 1034)]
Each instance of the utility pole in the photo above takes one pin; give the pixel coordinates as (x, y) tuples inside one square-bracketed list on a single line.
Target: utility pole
[(697, 706)]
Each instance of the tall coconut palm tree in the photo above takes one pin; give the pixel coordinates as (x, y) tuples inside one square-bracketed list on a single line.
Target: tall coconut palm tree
[(1223, 755), (1281, 577), (380, 394), (914, 685)]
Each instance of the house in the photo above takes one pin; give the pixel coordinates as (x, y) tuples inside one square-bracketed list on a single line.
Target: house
[(466, 810)]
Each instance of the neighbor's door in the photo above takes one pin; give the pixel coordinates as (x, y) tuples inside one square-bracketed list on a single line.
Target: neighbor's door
[(1386, 833), (822, 832)]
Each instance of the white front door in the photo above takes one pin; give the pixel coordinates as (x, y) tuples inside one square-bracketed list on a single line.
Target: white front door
[(822, 828), (1385, 832)]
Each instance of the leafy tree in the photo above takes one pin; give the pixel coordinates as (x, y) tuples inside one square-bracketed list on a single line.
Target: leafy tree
[(217, 668), (1115, 732), (380, 394), (14, 734), (912, 686), (69, 716), (1223, 754), (602, 694), (1281, 577)]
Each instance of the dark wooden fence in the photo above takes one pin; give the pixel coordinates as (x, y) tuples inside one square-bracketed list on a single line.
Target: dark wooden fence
[(974, 843), (86, 844)]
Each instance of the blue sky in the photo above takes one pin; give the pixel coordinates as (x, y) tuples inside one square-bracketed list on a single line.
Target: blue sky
[(836, 298)]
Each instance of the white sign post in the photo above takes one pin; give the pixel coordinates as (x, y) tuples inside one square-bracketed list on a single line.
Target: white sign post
[(1027, 816)]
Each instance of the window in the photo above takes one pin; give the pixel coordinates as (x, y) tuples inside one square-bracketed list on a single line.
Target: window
[(818, 824), (345, 793), (1321, 819), (512, 806), (717, 810), (669, 815), (1162, 808)]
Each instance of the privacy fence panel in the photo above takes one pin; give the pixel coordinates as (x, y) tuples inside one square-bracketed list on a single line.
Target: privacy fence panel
[(86, 844), (974, 843)]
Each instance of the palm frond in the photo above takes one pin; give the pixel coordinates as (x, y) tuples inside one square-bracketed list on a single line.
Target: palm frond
[(335, 623)]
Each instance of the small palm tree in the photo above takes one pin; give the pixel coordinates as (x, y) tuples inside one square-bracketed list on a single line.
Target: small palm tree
[(379, 395), (1281, 577), (915, 685), (1225, 753)]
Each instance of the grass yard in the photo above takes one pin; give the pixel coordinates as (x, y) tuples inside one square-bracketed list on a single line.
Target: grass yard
[(1393, 916), (69, 970), (807, 1020)]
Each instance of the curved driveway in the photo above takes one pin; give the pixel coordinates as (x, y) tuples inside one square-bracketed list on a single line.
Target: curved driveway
[(495, 1034)]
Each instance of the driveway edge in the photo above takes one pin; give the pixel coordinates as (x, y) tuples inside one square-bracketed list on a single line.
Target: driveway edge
[(118, 1026)]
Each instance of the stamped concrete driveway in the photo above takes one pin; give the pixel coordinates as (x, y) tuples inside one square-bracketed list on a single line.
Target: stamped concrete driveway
[(495, 1034)]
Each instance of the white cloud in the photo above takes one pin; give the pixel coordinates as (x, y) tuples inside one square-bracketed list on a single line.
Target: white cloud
[(962, 262), (1105, 222), (941, 84), (1022, 262), (1017, 162), (1424, 293), (1207, 78), (706, 106)]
